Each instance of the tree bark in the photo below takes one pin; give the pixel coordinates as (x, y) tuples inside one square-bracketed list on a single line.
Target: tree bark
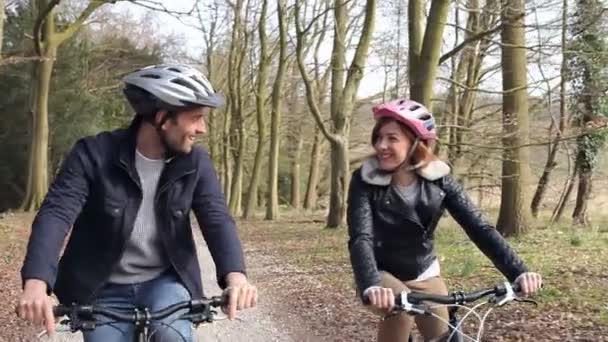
[(272, 206), (514, 215), (1, 25), (237, 53), (261, 108), (421, 88), (310, 199)]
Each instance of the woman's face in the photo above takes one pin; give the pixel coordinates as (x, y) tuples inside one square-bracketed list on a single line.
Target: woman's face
[(391, 145)]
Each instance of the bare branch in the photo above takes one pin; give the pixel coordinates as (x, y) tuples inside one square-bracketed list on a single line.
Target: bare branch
[(468, 41), (37, 26)]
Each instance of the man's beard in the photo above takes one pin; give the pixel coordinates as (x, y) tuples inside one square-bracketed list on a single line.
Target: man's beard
[(170, 150)]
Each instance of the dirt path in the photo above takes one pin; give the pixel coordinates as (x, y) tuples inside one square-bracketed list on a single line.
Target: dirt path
[(255, 325)]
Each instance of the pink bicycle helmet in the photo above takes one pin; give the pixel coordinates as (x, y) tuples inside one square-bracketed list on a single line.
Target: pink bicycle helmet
[(410, 113)]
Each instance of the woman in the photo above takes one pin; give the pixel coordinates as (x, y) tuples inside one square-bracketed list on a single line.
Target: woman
[(395, 202)]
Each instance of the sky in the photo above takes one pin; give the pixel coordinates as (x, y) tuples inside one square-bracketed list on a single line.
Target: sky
[(543, 66)]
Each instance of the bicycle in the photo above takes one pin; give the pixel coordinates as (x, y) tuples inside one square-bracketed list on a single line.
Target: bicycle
[(499, 295), (81, 317)]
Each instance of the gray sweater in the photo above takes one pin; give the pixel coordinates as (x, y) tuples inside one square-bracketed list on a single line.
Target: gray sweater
[(144, 257)]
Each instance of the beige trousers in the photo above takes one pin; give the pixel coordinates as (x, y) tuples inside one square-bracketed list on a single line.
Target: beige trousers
[(397, 328)]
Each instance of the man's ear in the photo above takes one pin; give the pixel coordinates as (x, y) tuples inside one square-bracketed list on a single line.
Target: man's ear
[(160, 117)]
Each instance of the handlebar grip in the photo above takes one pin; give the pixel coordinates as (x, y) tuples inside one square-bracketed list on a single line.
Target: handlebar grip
[(217, 301)]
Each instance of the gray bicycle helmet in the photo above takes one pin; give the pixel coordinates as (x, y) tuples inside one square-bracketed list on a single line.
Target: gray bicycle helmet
[(171, 87)]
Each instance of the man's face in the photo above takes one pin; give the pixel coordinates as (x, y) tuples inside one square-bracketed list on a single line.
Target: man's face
[(180, 132)]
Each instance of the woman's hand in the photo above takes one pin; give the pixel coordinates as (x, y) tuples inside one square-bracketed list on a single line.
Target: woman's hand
[(530, 283), (380, 297)]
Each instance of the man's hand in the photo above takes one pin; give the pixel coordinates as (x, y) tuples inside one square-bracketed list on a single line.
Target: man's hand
[(35, 305), (241, 295)]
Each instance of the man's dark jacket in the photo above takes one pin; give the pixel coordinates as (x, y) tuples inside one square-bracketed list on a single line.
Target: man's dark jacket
[(97, 193)]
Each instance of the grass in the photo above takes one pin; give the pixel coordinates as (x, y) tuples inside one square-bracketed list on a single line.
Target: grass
[(573, 263)]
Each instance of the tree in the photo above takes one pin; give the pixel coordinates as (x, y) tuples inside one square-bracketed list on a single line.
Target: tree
[(466, 77), (425, 47), (344, 86), (588, 67), (238, 47), (212, 24), (261, 108), (560, 127), (272, 204), (47, 38), (1, 25), (514, 216)]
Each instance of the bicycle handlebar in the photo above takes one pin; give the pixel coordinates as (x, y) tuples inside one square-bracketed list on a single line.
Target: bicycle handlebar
[(458, 297), (195, 306)]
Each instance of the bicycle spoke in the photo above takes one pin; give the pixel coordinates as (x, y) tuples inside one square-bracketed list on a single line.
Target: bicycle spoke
[(471, 310), (483, 322), (453, 327)]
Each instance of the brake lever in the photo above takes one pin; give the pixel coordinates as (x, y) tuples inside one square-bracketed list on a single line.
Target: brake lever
[(507, 297), (410, 308)]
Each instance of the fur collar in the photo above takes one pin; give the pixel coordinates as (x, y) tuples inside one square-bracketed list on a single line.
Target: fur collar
[(371, 174)]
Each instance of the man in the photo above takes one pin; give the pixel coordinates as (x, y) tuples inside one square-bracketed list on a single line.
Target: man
[(127, 194)]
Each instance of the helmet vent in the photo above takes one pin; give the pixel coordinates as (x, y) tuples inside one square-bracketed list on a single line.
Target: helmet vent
[(185, 84), (151, 76)]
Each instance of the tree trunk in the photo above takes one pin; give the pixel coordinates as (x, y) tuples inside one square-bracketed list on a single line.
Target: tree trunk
[(421, 88), (310, 200), (588, 70), (296, 201), (237, 51), (514, 216), (579, 216), (295, 139), (563, 201), (342, 101), (272, 206), (261, 96), (210, 39), (37, 184), (340, 178), (236, 195), (1, 25), (415, 13), (550, 164), (343, 93), (227, 165), (544, 178)]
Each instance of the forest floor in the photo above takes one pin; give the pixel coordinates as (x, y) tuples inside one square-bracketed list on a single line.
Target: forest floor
[(307, 293)]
